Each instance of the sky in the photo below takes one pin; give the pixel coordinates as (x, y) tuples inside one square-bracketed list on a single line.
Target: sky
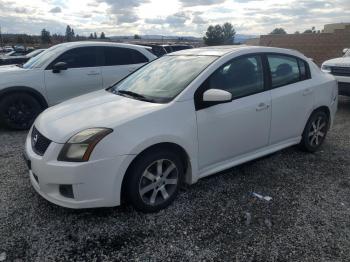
[(168, 17)]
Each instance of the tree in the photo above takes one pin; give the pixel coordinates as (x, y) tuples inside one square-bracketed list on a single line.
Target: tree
[(70, 35), (214, 35), (95, 35), (297, 32), (310, 31), (91, 36), (278, 31), (137, 37), (103, 36), (229, 33), (45, 36)]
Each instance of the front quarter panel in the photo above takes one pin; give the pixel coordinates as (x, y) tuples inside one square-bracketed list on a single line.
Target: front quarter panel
[(175, 123), (23, 78)]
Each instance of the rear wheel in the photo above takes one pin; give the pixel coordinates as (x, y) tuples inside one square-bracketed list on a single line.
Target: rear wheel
[(19, 110), (154, 180), (315, 131)]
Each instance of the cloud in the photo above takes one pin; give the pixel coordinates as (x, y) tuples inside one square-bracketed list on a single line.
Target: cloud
[(198, 20), (55, 10), (189, 3), (183, 17)]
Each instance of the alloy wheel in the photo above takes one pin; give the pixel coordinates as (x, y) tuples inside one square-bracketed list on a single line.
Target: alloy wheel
[(158, 182), (317, 132)]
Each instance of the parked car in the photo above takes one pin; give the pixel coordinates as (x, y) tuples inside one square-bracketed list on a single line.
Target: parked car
[(180, 118), (20, 59), (157, 50), (7, 48), (340, 69), (174, 48), (14, 53), (62, 72)]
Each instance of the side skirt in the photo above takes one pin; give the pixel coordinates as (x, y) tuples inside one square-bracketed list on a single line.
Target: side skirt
[(247, 157)]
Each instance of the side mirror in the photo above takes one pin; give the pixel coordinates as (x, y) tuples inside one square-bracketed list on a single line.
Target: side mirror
[(217, 96), (58, 67)]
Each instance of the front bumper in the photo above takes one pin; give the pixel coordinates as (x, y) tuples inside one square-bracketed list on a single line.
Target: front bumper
[(96, 183)]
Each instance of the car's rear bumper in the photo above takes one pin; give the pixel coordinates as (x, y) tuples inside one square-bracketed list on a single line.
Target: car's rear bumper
[(94, 183)]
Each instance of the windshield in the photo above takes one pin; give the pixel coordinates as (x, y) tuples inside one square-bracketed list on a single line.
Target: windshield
[(163, 79), (41, 59)]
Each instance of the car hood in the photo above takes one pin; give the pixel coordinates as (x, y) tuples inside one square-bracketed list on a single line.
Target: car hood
[(96, 109), (341, 61)]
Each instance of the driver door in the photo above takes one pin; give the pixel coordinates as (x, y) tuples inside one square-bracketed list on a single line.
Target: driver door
[(83, 75), (232, 129)]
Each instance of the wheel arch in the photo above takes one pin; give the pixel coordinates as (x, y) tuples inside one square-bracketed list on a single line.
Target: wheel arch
[(24, 89), (322, 108), (185, 158)]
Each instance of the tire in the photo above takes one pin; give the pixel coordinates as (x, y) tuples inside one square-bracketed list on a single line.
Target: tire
[(150, 189), (315, 131), (19, 110)]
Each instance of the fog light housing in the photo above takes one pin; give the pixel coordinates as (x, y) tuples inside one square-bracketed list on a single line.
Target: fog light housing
[(66, 191)]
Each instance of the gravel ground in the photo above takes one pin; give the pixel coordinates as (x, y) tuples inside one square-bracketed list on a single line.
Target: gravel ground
[(217, 219)]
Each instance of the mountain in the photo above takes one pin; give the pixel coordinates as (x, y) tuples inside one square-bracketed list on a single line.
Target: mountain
[(241, 38)]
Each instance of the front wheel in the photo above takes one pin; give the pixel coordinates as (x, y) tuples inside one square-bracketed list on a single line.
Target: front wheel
[(315, 131), (154, 180), (19, 110)]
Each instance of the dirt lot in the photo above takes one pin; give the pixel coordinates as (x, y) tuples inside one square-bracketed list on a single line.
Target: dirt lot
[(308, 218)]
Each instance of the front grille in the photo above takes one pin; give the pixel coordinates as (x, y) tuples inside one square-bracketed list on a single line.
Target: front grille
[(39, 142), (340, 71)]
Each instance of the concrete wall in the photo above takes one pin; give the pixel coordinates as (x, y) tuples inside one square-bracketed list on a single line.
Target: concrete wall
[(320, 47)]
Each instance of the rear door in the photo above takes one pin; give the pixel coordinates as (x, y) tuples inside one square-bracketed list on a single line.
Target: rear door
[(292, 96), (82, 76), (120, 62)]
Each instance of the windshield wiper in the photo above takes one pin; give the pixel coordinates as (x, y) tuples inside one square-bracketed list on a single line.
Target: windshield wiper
[(132, 94)]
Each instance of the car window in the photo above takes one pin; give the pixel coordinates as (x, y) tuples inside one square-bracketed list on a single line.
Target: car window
[(241, 77), (284, 70), (123, 56), (168, 49), (79, 57)]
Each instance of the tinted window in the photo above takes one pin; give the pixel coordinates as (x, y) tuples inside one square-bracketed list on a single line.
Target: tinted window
[(79, 57), (284, 70), (123, 56), (304, 70), (168, 49), (240, 77)]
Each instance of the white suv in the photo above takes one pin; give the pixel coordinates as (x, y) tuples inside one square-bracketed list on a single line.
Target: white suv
[(340, 69), (184, 116), (62, 72)]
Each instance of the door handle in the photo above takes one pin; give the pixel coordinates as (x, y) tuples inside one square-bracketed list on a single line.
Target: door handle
[(307, 91), (262, 106)]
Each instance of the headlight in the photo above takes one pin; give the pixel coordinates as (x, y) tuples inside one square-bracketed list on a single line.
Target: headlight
[(80, 146), (326, 68)]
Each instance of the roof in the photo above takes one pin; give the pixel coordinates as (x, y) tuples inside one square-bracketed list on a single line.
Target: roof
[(226, 49), (99, 43)]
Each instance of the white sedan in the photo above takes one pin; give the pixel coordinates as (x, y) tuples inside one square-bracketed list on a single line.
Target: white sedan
[(182, 117)]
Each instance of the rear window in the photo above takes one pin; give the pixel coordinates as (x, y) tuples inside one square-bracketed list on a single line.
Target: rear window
[(122, 56)]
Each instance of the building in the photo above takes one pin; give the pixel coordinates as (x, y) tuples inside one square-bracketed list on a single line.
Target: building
[(318, 46), (330, 28)]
